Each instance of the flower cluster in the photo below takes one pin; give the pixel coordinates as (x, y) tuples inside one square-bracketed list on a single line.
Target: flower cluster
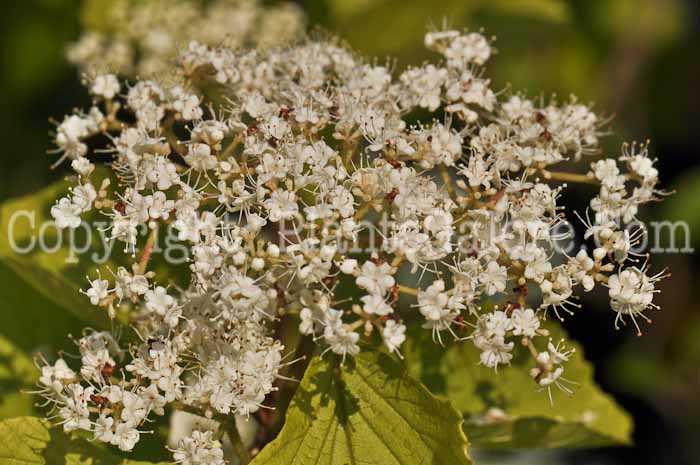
[(200, 448), (275, 179), (143, 37)]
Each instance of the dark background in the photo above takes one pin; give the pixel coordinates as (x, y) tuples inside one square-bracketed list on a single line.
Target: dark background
[(636, 59)]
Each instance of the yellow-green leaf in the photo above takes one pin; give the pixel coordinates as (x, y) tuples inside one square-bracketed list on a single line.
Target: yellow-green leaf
[(55, 263), (367, 411), (589, 418), (31, 441), (17, 372), (41, 256)]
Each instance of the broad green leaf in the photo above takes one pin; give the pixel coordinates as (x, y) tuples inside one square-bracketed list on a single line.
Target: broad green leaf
[(55, 263), (31, 441), (40, 302), (41, 256), (367, 411), (589, 418), (17, 372), (30, 320)]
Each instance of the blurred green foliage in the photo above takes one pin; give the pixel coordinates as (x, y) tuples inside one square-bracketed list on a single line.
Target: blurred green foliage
[(37, 83)]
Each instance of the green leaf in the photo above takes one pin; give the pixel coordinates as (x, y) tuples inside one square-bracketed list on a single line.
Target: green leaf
[(41, 256), (367, 411), (17, 372), (30, 320), (589, 418), (30, 440), (55, 263)]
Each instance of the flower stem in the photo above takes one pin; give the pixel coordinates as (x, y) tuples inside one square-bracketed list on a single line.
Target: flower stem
[(360, 214), (147, 251), (447, 180), (232, 431), (407, 290), (568, 177)]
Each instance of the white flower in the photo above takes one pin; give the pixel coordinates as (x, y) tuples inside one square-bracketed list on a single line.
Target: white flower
[(306, 325), (69, 136), (153, 400), (439, 223), (443, 146), (468, 48), (631, 293), (497, 323), (187, 105), (207, 259), (158, 206), (55, 377), (433, 301), (162, 173), (375, 279), (83, 197), (494, 351), (551, 377), (75, 414), (558, 354), (525, 322), (104, 429), (374, 304), (125, 228), (424, 86), (66, 214), (394, 335), (434, 40), (106, 85), (200, 158), (158, 301), (125, 436), (494, 278), (276, 127), (348, 266), (282, 205), (199, 448), (134, 408), (82, 166), (99, 289), (608, 173), (341, 340)]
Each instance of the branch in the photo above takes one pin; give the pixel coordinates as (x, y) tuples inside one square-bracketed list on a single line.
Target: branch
[(568, 177), (232, 431), (407, 290), (147, 251), (447, 181)]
